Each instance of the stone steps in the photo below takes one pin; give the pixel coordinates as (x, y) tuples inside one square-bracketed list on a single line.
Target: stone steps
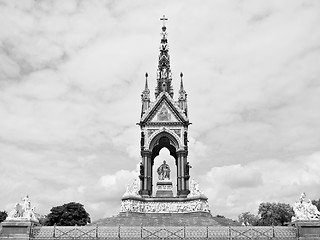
[(159, 219)]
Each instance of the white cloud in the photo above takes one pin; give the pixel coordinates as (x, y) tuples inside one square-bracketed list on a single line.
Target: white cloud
[(233, 189), (235, 176), (117, 182)]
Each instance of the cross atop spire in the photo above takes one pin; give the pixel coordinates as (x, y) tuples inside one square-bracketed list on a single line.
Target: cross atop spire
[(164, 19), (164, 73)]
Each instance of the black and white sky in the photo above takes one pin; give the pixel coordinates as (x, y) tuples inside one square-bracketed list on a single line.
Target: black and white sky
[(71, 75)]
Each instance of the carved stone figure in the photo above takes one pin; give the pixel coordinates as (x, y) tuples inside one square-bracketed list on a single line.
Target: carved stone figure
[(17, 211), (305, 210), (187, 170), (142, 140), (141, 170), (132, 189), (164, 114), (26, 203), (185, 138), (135, 187), (164, 73), (194, 189), (164, 171), (23, 211)]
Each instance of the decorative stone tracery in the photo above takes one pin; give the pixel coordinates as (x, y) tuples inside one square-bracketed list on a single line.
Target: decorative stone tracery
[(156, 134), (132, 205)]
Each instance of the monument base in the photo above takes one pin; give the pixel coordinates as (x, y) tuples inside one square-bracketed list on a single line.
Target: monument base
[(13, 229), (164, 189), (308, 229), (164, 204), (183, 193), (159, 219)]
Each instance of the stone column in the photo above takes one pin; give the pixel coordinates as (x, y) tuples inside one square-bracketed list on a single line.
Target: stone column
[(149, 174), (178, 174), (183, 184), (183, 187), (145, 186)]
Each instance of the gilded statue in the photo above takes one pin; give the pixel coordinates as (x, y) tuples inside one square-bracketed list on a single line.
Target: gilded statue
[(164, 171)]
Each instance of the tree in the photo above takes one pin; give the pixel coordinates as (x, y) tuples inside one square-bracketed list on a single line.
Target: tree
[(274, 214), (69, 214), (316, 203), (248, 219), (3, 215), (43, 220)]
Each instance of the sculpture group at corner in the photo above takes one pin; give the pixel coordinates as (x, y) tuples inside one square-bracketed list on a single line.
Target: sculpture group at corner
[(23, 211), (305, 210)]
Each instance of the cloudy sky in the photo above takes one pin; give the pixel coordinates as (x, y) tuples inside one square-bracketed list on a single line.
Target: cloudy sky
[(72, 73)]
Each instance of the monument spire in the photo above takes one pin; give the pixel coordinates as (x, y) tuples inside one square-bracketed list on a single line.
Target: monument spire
[(145, 97), (164, 77), (164, 19), (182, 97), (181, 83), (146, 84)]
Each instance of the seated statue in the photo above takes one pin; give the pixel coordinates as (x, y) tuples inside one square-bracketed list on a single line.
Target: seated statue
[(164, 171)]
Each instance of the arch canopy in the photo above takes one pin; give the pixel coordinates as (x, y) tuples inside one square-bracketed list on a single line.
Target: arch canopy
[(162, 140)]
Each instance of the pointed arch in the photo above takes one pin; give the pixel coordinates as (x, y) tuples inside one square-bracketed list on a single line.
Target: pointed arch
[(164, 139)]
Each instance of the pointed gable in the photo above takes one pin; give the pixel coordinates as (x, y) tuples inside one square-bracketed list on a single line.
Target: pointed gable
[(164, 114), (164, 110)]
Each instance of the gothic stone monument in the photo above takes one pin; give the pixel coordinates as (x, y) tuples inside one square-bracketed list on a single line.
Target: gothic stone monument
[(164, 124)]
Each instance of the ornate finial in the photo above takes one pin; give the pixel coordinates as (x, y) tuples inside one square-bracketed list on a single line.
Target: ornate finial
[(164, 19), (146, 84), (145, 96), (181, 84), (163, 72), (182, 97)]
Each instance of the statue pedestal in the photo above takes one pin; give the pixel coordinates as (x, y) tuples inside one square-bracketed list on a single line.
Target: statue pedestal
[(16, 229), (164, 204), (164, 189), (308, 229)]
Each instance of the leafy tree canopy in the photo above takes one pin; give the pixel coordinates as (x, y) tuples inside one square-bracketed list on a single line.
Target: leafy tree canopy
[(43, 220), (69, 214), (316, 203), (274, 214), (3, 216), (248, 219)]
